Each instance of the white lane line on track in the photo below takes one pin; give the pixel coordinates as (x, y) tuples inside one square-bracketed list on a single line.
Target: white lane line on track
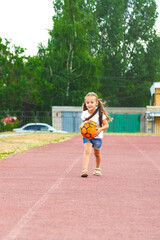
[(27, 217), (144, 155)]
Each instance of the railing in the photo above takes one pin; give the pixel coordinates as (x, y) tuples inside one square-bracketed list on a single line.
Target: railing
[(24, 117), (70, 122)]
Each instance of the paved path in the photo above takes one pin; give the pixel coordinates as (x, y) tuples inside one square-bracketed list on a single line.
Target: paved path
[(43, 197), (12, 134)]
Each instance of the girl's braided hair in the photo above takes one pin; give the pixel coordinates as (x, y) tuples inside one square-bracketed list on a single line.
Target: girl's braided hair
[(100, 109)]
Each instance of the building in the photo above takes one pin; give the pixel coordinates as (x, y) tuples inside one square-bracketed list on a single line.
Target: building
[(124, 119), (153, 112)]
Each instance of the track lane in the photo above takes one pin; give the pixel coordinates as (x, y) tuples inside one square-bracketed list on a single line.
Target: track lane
[(43, 196)]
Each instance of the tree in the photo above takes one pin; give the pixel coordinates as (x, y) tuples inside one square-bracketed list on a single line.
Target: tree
[(72, 70), (152, 60), (99, 46), (126, 30), (20, 79)]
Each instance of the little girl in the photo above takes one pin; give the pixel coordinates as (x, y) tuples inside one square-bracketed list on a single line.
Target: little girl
[(93, 109)]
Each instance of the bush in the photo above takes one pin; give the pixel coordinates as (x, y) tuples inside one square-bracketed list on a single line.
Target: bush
[(4, 127)]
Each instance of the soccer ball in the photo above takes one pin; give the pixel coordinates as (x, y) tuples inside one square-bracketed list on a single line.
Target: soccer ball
[(88, 129)]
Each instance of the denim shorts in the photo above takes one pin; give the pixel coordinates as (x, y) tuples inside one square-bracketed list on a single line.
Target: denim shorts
[(96, 142)]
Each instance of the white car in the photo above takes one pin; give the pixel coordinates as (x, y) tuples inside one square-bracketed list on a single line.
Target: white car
[(37, 127)]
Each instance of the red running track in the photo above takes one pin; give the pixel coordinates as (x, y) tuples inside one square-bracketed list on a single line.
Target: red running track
[(43, 197)]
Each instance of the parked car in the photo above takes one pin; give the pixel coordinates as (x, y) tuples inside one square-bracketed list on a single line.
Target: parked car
[(37, 127)]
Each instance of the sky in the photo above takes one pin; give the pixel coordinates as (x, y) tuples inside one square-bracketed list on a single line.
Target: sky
[(26, 22)]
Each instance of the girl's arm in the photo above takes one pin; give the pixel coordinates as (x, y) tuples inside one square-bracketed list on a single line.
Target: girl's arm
[(104, 127)]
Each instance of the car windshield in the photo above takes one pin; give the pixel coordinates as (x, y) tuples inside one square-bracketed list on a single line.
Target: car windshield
[(31, 127), (36, 127), (43, 128)]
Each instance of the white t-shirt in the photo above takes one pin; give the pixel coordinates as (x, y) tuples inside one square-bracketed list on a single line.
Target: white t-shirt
[(85, 114)]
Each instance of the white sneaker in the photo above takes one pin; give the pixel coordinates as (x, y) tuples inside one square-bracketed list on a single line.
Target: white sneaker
[(84, 173), (97, 172)]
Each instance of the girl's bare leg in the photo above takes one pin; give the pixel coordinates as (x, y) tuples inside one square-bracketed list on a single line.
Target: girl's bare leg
[(97, 153), (86, 155)]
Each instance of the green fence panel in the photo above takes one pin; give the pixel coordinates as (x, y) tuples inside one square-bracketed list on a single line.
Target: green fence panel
[(125, 123)]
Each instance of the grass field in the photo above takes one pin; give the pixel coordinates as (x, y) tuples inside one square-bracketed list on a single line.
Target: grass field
[(16, 144)]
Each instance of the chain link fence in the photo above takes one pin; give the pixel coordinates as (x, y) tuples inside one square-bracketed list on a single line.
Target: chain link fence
[(24, 117)]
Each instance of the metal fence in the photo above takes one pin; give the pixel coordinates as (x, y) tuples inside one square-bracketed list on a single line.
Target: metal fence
[(70, 121), (25, 117), (130, 123)]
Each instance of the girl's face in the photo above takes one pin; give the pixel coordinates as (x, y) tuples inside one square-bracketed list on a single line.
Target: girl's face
[(91, 103)]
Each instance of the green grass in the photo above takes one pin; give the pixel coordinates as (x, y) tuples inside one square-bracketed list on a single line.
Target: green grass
[(20, 143)]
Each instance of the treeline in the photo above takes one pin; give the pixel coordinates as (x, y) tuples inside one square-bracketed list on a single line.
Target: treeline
[(106, 46)]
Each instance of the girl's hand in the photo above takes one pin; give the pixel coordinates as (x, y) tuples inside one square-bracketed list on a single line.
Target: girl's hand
[(105, 126), (81, 125), (98, 132)]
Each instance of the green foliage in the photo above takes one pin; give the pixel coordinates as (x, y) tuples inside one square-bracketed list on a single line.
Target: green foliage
[(125, 36), (99, 46), (20, 79), (68, 66), (4, 127)]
